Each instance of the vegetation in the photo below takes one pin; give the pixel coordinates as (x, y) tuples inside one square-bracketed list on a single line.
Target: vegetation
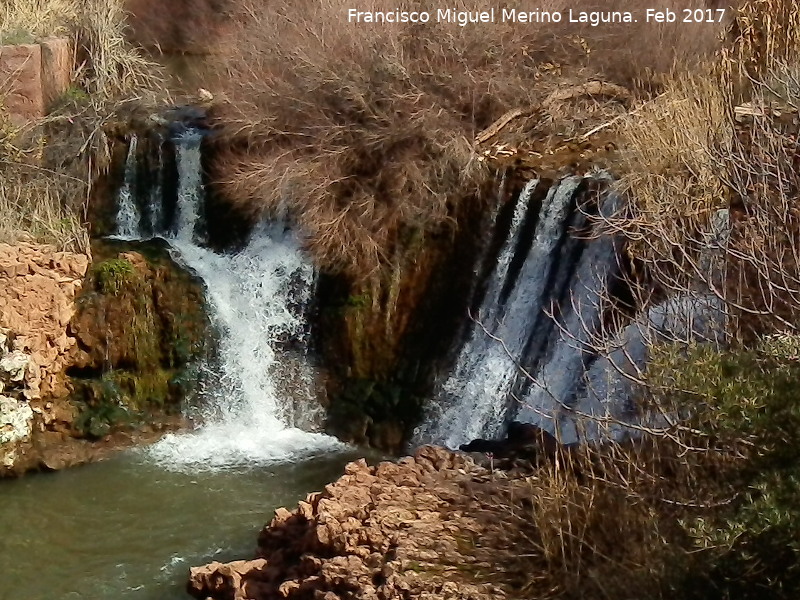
[(366, 136), (705, 504), (46, 186), (113, 275), (365, 131)]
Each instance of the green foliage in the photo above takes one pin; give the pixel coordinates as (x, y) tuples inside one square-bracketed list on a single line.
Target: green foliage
[(17, 36), (102, 409), (748, 403), (74, 95), (114, 275), (358, 300)]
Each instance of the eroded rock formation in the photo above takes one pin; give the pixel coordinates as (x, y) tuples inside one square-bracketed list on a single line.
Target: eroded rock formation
[(38, 287), (424, 527), (92, 358)]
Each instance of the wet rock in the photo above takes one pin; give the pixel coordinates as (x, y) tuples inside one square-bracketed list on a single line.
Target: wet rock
[(524, 442), (140, 326)]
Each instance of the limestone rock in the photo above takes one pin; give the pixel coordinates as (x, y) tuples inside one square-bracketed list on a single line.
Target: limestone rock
[(388, 532), (14, 365), (37, 297), (16, 427)]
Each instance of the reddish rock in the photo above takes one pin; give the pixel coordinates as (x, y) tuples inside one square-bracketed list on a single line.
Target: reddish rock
[(37, 300), (385, 533), (35, 75), (21, 69)]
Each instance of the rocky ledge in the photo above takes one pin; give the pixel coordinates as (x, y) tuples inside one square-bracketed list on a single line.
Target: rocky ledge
[(38, 287), (427, 527)]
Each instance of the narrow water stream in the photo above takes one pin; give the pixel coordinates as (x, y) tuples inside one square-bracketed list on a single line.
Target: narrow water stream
[(129, 529)]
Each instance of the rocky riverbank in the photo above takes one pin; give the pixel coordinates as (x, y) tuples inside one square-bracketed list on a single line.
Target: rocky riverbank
[(38, 287), (94, 355), (434, 525)]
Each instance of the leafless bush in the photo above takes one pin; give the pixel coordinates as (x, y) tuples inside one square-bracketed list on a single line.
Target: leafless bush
[(365, 131)]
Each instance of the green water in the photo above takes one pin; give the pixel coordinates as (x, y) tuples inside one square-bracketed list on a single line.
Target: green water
[(128, 529)]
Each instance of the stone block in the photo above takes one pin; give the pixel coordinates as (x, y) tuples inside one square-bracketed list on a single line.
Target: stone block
[(21, 82), (57, 61), (32, 77)]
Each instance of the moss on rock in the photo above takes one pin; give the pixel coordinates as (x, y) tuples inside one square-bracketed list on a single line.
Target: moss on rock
[(141, 325)]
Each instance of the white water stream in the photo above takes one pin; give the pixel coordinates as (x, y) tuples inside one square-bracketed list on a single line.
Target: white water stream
[(260, 394)]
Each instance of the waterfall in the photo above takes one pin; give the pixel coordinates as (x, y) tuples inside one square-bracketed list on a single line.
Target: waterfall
[(538, 351), (476, 399), (128, 216), (555, 383), (261, 392)]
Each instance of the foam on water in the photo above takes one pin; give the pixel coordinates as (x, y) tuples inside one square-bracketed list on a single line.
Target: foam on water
[(256, 299), (261, 387)]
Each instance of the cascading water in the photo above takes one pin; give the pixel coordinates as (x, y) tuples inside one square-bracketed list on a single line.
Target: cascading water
[(128, 214), (475, 400), (534, 338), (260, 392), (538, 351), (554, 385)]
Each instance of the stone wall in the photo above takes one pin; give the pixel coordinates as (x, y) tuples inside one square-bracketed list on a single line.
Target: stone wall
[(38, 286), (32, 77)]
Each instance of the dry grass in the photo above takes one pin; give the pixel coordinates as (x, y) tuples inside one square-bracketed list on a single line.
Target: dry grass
[(364, 132), (689, 155), (185, 26), (605, 522), (109, 65), (45, 186), (670, 157)]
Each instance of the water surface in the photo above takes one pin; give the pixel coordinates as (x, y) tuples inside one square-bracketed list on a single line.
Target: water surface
[(129, 529)]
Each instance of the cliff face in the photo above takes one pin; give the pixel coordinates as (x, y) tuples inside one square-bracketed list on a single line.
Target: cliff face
[(38, 287)]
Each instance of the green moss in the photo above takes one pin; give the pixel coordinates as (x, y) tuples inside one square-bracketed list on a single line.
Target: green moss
[(113, 275), (145, 327), (358, 301), (101, 409)]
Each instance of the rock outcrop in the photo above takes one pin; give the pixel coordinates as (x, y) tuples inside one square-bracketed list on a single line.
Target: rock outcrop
[(34, 76), (141, 327), (420, 528), (38, 287), (92, 358)]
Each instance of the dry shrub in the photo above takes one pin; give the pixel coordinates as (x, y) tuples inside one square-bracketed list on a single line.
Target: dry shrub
[(186, 26), (606, 522), (364, 132), (670, 159), (690, 154), (48, 167), (765, 35)]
